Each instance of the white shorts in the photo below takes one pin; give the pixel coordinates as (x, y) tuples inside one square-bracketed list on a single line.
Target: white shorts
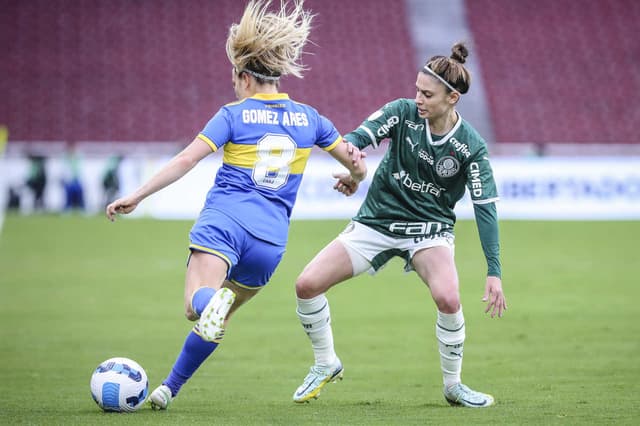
[(370, 250)]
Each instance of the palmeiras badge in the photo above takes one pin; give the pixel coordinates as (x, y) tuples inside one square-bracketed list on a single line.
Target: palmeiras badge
[(447, 166)]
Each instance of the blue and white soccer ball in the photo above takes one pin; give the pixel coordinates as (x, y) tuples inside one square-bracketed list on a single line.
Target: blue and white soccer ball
[(120, 385)]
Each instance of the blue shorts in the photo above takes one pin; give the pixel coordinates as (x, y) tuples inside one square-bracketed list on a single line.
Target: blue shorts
[(251, 261)]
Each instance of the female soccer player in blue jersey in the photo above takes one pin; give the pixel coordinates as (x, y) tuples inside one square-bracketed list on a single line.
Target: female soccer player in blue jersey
[(266, 139), (433, 155)]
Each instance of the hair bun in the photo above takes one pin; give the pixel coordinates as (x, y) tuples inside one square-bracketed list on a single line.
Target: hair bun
[(459, 52)]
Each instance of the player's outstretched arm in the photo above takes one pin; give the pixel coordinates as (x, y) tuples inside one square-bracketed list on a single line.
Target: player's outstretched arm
[(177, 167)]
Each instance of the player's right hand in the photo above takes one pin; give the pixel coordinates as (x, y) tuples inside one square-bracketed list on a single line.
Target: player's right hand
[(120, 206), (355, 153), (358, 169)]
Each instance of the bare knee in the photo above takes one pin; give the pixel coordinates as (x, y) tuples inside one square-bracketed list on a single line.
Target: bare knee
[(307, 287), (447, 302)]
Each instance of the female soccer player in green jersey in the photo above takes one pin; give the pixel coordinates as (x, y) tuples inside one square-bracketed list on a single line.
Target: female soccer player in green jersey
[(266, 139), (432, 156)]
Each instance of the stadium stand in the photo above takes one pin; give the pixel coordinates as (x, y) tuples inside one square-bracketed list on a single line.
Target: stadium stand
[(554, 71), (560, 71), (121, 70)]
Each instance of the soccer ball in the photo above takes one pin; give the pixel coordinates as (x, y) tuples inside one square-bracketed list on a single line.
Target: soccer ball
[(119, 384)]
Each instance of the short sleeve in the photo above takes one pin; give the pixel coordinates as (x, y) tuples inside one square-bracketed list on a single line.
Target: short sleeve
[(218, 129), (327, 136)]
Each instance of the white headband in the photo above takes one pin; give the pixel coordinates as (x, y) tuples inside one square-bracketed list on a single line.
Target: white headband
[(262, 76), (426, 69)]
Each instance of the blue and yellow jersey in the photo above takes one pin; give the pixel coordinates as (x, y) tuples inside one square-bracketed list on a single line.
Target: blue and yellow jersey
[(266, 140)]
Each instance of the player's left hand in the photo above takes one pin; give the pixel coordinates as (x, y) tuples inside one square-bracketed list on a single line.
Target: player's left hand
[(346, 184), (493, 295)]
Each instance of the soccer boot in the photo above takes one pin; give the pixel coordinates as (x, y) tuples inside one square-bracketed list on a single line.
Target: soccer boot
[(461, 395), (211, 323), (315, 381), (160, 398)]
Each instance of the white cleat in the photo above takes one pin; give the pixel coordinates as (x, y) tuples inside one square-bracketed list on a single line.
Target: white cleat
[(315, 381), (211, 323), (160, 398), (461, 395)]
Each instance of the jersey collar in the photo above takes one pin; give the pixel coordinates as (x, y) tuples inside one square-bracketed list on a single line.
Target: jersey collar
[(270, 96), (446, 137)]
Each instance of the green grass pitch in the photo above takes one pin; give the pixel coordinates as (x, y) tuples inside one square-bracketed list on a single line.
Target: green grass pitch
[(75, 291)]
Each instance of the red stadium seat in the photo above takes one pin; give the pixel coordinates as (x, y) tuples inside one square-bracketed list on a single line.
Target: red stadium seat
[(559, 70), (157, 70)]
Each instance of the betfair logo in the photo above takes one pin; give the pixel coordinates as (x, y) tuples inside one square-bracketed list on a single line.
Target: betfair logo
[(418, 186)]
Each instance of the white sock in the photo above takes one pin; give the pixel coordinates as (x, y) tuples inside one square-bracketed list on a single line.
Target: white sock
[(315, 317), (450, 333)]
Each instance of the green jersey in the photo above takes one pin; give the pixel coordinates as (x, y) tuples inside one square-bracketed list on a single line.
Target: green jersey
[(422, 176)]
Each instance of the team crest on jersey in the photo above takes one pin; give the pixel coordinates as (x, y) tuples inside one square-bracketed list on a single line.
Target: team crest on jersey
[(447, 166)]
